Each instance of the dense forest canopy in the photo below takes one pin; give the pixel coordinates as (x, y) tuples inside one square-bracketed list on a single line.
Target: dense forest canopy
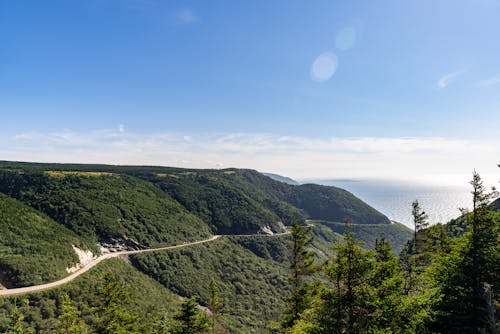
[(344, 268)]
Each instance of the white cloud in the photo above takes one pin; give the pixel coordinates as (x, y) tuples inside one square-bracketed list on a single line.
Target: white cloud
[(494, 80), (186, 15), (298, 157), (446, 79), (121, 128)]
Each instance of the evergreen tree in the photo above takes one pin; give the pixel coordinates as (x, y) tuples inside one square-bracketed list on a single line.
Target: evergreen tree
[(415, 257), (69, 319), (345, 307), (17, 323), (214, 305), (163, 325), (115, 314), (467, 274), (483, 255), (419, 224), (301, 265), (349, 272), (387, 283), (190, 320)]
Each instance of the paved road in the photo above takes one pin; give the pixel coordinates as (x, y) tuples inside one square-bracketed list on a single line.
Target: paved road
[(96, 261), (93, 263)]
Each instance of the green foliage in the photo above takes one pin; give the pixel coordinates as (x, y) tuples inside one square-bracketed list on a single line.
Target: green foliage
[(231, 201), (349, 273), (17, 324), (214, 306), (419, 223), (468, 271), (266, 247), (333, 204), (224, 205), (70, 321), (34, 249), (105, 207), (89, 293), (301, 266), (363, 293), (153, 206), (190, 320), (253, 289), (396, 234), (114, 312)]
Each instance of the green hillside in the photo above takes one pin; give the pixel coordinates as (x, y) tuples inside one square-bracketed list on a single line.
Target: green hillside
[(233, 201), (148, 300), (334, 204), (34, 249), (105, 206), (396, 234), (146, 206), (253, 285)]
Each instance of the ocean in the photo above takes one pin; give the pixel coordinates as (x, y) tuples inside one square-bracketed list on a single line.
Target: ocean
[(394, 198)]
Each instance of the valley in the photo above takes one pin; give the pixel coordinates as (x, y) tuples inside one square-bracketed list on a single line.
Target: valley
[(155, 213)]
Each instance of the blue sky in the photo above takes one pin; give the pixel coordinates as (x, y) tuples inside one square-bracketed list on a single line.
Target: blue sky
[(368, 88)]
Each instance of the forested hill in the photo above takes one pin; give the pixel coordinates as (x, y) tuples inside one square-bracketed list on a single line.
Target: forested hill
[(229, 201), (45, 209)]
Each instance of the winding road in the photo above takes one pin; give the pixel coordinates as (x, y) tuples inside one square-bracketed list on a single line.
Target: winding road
[(93, 263), (96, 261)]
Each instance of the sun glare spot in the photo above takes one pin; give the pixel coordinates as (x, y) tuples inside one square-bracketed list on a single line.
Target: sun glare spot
[(324, 67), (346, 38)]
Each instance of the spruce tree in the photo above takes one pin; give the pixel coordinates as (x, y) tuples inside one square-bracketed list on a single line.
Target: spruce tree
[(116, 316), (69, 319), (347, 307), (468, 273), (419, 224), (483, 255), (190, 320), (301, 265), (214, 305)]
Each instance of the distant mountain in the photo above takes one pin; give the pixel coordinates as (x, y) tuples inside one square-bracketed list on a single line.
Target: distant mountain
[(283, 179), (495, 206)]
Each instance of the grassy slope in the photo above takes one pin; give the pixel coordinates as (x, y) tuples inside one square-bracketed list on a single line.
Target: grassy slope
[(33, 248), (105, 207), (150, 298)]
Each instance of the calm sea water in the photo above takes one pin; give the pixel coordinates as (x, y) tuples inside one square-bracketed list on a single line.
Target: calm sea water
[(394, 198)]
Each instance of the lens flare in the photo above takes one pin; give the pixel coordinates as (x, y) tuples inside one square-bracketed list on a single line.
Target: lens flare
[(324, 67), (346, 38)]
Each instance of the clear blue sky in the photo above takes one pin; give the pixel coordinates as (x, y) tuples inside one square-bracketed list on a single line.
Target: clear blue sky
[(419, 69)]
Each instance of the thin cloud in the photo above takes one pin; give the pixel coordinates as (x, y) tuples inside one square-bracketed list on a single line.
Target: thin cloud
[(448, 78), (186, 16), (294, 156), (494, 80)]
